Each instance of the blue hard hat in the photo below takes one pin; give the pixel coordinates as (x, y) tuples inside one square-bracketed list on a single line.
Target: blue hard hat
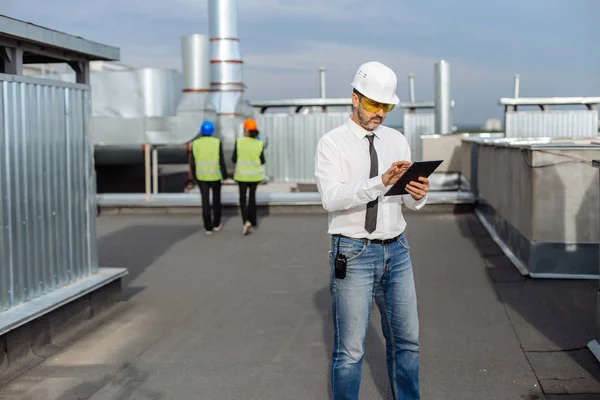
[(207, 128)]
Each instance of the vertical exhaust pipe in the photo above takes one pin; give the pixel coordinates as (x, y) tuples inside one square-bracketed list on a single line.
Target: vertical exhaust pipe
[(411, 88), (517, 83), (226, 61), (443, 120), (322, 81), (227, 80)]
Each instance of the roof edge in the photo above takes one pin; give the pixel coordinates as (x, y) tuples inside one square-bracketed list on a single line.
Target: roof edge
[(29, 32)]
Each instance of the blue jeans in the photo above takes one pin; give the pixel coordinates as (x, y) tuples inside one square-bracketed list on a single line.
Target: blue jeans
[(383, 272)]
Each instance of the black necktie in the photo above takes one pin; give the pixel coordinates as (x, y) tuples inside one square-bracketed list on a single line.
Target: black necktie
[(371, 217)]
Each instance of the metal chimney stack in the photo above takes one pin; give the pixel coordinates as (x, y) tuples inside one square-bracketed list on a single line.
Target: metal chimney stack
[(411, 88), (443, 121), (227, 80), (322, 82), (226, 71)]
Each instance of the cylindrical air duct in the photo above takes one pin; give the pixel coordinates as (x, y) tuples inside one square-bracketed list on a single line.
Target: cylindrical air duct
[(517, 82), (411, 88), (226, 63), (322, 81), (443, 121), (195, 55)]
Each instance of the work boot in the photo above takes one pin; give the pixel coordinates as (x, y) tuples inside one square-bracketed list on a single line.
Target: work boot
[(247, 228)]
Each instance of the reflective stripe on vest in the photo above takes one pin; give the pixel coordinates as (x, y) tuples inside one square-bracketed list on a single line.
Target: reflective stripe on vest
[(248, 167), (206, 155)]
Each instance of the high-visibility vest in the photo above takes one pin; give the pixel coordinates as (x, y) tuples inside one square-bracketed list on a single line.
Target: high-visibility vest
[(248, 167), (206, 154)]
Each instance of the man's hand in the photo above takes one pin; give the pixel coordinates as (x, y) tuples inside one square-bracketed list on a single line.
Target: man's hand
[(418, 190), (392, 175)]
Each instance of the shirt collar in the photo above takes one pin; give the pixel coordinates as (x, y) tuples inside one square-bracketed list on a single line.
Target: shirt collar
[(358, 130)]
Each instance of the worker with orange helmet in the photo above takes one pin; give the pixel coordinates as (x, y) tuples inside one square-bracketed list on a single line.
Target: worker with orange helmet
[(248, 157), (250, 126)]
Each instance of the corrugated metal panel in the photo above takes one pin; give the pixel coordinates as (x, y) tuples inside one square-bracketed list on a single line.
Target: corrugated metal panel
[(5, 253), (415, 125), (47, 202), (552, 123), (293, 139)]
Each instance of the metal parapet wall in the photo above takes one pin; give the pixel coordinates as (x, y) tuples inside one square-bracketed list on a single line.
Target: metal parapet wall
[(538, 199), (48, 254), (594, 345), (47, 188), (49, 275)]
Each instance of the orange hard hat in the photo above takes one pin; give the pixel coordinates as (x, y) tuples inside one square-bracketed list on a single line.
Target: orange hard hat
[(250, 124)]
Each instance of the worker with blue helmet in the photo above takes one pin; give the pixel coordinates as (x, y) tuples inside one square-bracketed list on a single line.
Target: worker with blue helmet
[(207, 128), (208, 168)]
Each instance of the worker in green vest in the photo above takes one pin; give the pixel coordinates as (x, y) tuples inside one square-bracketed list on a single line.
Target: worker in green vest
[(208, 167), (248, 156)]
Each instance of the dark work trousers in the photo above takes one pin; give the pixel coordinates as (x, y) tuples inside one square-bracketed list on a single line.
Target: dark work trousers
[(248, 207), (205, 187)]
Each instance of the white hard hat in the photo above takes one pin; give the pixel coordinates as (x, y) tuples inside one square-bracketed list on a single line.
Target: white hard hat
[(377, 82)]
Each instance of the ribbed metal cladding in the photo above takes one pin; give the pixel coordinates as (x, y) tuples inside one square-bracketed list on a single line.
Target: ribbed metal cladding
[(47, 188), (415, 125), (290, 155), (552, 123)]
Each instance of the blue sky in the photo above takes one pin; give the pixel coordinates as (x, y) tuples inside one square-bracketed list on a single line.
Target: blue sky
[(552, 44)]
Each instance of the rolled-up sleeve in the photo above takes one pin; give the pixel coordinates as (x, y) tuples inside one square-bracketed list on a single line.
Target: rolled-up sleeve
[(413, 204), (337, 195)]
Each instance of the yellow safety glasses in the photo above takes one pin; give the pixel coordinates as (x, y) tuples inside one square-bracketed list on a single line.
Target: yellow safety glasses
[(374, 106)]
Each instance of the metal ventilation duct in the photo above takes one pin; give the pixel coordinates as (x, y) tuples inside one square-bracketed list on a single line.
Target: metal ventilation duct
[(195, 105), (194, 63)]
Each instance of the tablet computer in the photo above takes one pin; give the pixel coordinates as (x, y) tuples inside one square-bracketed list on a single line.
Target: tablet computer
[(416, 170)]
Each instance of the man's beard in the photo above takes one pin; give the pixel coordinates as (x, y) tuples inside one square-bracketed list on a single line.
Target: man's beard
[(368, 123)]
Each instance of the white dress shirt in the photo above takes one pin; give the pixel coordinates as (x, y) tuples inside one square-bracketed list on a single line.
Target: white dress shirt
[(342, 166)]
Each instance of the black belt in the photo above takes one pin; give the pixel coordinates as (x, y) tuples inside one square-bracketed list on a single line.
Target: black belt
[(376, 241)]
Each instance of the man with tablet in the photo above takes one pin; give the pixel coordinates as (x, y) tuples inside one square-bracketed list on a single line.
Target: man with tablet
[(356, 165)]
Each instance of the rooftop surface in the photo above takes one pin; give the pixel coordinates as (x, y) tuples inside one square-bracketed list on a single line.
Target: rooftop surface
[(229, 317)]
